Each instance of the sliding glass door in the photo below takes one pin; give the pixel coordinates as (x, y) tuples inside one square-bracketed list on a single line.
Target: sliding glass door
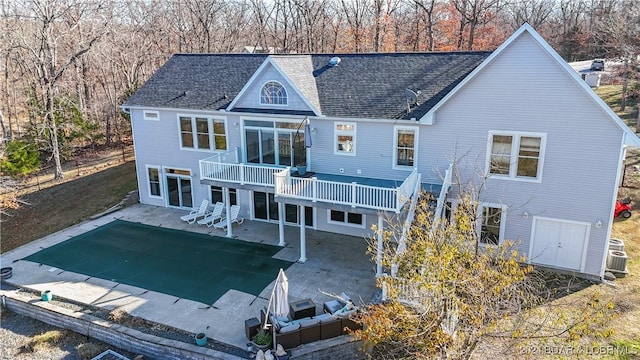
[(269, 142), (266, 208), (179, 190)]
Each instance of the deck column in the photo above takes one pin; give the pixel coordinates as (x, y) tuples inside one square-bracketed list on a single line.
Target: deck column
[(227, 204), (380, 245), (303, 234), (281, 224)]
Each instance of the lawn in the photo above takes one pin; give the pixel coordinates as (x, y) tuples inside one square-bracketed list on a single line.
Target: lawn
[(66, 203)]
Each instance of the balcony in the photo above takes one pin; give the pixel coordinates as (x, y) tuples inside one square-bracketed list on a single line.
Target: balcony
[(356, 192), (376, 194), (225, 167)]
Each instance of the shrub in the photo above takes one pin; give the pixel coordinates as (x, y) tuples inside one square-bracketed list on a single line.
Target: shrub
[(20, 159)]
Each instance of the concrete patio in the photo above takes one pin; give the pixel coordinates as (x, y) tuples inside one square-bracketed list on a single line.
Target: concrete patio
[(336, 264)]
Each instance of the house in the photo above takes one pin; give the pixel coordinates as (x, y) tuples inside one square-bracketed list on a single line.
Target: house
[(373, 129)]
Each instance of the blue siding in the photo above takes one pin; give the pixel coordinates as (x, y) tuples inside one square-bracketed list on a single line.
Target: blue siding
[(522, 90), (526, 90)]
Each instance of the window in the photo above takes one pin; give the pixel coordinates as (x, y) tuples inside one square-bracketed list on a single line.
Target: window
[(346, 218), (345, 138), (273, 93), (151, 115), (491, 229), (273, 142), (218, 196), (516, 155), (405, 147), (202, 133), (153, 173)]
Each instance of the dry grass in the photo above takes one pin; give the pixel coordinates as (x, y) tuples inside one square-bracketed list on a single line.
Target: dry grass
[(89, 350), (65, 204), (626, 291), (45, 340)]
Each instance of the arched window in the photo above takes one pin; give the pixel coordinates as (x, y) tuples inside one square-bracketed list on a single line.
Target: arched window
[(273, 93)]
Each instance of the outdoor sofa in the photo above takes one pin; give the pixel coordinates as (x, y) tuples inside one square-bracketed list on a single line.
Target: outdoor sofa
[(292, 333)]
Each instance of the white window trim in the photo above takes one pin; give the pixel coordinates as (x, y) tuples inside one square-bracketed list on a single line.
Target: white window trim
[(396, 130), (515, 147), (212, 137), (155, 115), (160, 181), (286, 92), (503, 221), (351, 133), (346, 223)]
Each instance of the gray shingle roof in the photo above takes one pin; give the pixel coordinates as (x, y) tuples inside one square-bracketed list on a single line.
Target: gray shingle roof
[(300, 70), (361, 86)]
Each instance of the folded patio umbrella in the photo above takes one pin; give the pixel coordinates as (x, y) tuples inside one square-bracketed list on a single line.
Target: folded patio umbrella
[(281, 289)]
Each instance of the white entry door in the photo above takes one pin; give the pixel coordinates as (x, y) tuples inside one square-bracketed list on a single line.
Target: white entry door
[(559, 243)]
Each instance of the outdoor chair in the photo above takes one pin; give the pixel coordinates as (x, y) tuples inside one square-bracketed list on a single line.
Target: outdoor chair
[(214, 216), (195, 214), (234, 217)]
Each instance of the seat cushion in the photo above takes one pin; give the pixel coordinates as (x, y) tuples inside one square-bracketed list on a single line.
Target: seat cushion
[(289, 328), (332, 306)]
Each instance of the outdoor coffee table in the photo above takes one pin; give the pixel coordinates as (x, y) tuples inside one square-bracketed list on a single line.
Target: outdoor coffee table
[(301, 309)]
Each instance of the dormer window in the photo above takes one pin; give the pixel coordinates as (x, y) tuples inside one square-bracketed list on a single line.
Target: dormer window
[(273, 93)]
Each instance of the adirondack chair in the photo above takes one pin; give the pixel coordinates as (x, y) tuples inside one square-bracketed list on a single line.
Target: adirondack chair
[(215, 215), (195, 214), (234, 217)]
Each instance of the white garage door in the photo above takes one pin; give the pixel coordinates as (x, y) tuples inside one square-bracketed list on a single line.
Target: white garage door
[(559, 243)]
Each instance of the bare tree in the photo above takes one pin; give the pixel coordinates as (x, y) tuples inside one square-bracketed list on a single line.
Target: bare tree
[(534, 12), (202, 15), (428, 8), (357, 14), (53, 39), (620, 32), (474, 13)]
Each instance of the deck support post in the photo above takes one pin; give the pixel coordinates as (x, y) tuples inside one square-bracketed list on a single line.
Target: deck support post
[(380, 244), (303, 235), (281, 224), (227, 204)]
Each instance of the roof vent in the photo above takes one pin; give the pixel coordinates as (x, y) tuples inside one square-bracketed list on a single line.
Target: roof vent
[(334, 61)]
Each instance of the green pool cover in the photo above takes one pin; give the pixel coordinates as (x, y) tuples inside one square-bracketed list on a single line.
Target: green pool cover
[(180, 263)]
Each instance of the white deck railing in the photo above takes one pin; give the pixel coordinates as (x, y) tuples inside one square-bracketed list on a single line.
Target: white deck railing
[(353, 194), (437, 214), (446, 184), (402, 242), (225, 167), (426, 299)]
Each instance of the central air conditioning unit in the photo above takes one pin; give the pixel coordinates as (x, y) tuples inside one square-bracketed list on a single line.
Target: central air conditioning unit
[(616, 244), (617, 260)]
